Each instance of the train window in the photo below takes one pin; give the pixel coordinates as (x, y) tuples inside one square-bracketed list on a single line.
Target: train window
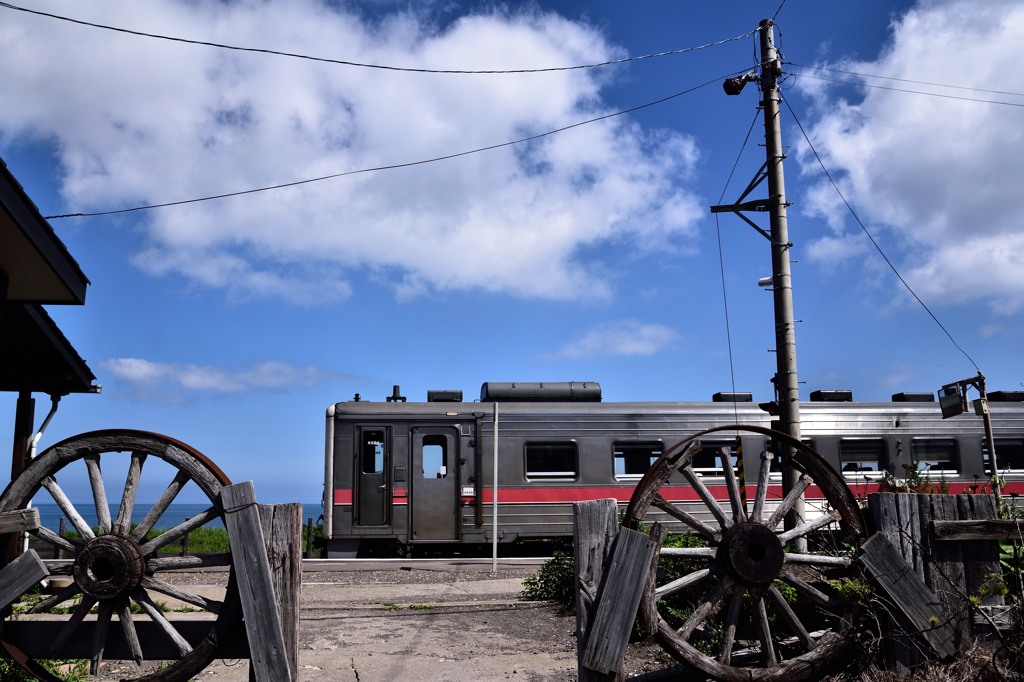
[(934, 455), (632, 460), (551, 460), (435, 456), (708, 462), (1009, 454), (862, 455), (372, 455)]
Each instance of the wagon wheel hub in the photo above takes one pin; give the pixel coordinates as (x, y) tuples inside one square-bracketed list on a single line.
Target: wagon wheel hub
[(109, 566), (751, 553)]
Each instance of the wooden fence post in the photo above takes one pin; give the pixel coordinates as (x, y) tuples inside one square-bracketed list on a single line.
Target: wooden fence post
[(282, 528), (595, 524), (267, 650)]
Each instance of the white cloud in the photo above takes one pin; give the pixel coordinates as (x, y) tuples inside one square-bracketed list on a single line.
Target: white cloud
[(620, 337), (139, 121), (939, 174), (157, 379)]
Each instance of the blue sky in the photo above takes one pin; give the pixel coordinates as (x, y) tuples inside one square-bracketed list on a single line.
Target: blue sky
[(590, 254)]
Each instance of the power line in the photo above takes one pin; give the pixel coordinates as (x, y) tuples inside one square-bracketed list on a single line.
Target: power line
[(905, 80), (394, 166), (872, 239), (384, 67), (916, 92)]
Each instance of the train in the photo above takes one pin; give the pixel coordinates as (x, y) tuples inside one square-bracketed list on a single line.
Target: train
[(401, 475)]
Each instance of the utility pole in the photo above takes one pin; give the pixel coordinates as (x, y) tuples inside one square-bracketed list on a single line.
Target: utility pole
[(787, 394)]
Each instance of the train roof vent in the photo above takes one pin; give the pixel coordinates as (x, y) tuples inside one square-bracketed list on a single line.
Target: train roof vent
[(1006, 397), (831, 396), (444, 396), (726, 397), (544, 391), (913, 397)]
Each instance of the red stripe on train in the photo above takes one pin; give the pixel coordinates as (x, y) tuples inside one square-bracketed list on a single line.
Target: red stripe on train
[(567, 494)]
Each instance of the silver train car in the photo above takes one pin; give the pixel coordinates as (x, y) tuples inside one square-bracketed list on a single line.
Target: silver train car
[(401, 474)]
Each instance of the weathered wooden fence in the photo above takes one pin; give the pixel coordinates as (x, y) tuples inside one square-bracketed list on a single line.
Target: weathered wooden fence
[(267, 556), (936, 559), (933, 558)]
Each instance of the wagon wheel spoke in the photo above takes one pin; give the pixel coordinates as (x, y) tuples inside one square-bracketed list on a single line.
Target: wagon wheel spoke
[(701, 613), (681, 584), (69, 628), (824, 560), (170, 536), (62, 596), (739, 513), (792, 621), (178, 562), (142, 598), (790, 500), (161, 505), (702, 529), (131, 635), (131, 487), (99, 492), (67, 544), (808, 527), (705, 495), (732, 617), (764, 634), (99, 636), (157, 585), (763, 476), (69, 509), (805, 589)]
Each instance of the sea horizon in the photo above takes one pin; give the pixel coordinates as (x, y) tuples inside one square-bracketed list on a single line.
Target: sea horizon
[(50, 514)]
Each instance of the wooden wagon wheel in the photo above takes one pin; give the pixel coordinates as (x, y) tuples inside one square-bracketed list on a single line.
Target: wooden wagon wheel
[(731, 618), (116, 568)]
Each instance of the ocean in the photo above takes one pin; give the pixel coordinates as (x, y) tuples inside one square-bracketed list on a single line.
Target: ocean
[(50, 514)]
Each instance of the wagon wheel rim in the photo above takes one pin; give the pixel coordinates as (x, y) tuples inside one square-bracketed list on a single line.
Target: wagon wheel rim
[(737, 576), (115, 569)]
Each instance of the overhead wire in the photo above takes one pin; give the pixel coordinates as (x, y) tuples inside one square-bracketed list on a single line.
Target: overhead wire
[(905, 80), (872, 239), (385, 67), (721, 262), (916, 92), (393, 166)]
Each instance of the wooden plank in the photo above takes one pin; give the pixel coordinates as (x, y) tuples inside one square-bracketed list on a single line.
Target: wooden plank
[(909, 515), (946, 577), (255, 585), (966, 530), (981, 560), (648, 604), (617, 601), (919, 608), (282, 528), (20, 575), (595, 525), (19, 520)]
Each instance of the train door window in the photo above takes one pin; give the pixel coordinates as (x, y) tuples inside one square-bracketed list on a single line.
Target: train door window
[(435, 456), (372, 452), (1009, 454), (551, 460), (934, 455), (632, 459), (708, 462), (862, 456)]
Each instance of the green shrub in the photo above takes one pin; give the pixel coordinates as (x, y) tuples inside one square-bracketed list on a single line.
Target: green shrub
[(555, 581)]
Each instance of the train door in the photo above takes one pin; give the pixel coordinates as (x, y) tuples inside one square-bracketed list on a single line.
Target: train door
[(434, 484), (373, 463)]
